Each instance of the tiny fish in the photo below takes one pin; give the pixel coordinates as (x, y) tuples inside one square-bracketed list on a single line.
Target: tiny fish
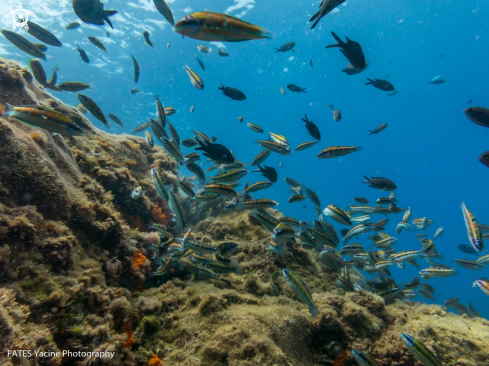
[(192, 109), (97, 43), (73, 25), (222, 53), (147, 40), (134, 91), (203, 49), (336, 113), (378, 129), (255, 128), (137, 192), (136, 68), (202, 66), (439, 232), (89, 104), (282, 91), (114, 118), (194, 78), (83, 54)]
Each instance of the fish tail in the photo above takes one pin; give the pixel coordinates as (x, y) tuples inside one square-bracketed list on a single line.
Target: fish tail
[(314, 311), (239, 270), (9, 110), (370, 81)]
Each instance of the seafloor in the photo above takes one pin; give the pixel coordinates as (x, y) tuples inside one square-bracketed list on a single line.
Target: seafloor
[(74, 272)]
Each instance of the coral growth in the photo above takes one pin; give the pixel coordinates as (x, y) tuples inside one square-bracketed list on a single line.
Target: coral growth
[(138, 259), (155, 361), (159, 216)]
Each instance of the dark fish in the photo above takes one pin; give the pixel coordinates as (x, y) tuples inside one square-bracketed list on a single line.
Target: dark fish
[(286, 47), (267, 172), (310, 63), (72, 86), (383, 184), (380, 84), (312, 128), (38, 71), (165, 10), (484, 158), (136, 68), (217, 152), (41, 47), (232, 93), (107, 34), (23, 44), (378, 129), (295, 88), (467, 249), (202, 66), (146, 39), (134, 91), (114, 118), (470, 101), (72, 26), (343, 232), (361, 200), (213, 139), (324, 9), (43, 35), (90, 105), (92, 12), (353, 52), (222, 53), (437, 81), (83, 54), (478, 115), (97, 43)]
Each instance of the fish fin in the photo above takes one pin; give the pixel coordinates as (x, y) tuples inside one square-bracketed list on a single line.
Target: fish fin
[(315, 312), (370, 82), (239, 270), (234, 261)]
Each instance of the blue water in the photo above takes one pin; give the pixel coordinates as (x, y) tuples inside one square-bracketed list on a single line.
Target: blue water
[(429, 149)]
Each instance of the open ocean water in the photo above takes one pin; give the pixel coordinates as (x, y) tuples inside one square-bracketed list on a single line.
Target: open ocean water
[(429, 148)]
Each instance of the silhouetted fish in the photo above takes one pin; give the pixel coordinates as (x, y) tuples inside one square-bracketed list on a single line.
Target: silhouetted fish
[(295, 88), (380, 84), (478, 115), (202, 66), (92, 12), (353, 52), (286, 47), (267, 172), (324, 9), (312, 128), (378, 129), (383, 184), (484, 158), (217, 152), (233, 93)]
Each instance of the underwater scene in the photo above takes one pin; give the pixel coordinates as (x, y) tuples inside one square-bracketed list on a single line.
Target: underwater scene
[(244, 182)]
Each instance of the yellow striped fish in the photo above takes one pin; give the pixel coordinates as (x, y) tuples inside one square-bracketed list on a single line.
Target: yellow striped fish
[(194, 78), (297, 284), (48, 119), (473, 230)]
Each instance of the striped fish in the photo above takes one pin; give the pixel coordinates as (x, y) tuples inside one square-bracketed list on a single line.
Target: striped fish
[(166, 266), (263, 184), (275, 137), (483, 284), (177, 209), (160, 113), (142, 127), (297, 284), (261, 157), (337, 214), (305, 145), (136, 68), (336, 151), (277, 248), (209, 26), (169, 111), (157, 130), (186, 188), (420, 351), (172, 149), (473, 230), (149, 139), (23, 44), (174, 134), (274, 146), (230, 176), (194, 78), (49, 119), (260, 203), (255, 128), (159, 184), (94, 109), (364, 359), (267, 221), (220, 189), (220, 267), (272, 282)]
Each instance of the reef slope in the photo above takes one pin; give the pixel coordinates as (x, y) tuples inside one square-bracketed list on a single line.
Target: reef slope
[(75, 269)]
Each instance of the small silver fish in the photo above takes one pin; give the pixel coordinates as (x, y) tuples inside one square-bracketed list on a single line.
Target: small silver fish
[(138, 192)]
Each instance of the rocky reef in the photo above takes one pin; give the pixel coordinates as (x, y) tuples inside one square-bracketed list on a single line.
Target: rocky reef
[(75, 269)]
